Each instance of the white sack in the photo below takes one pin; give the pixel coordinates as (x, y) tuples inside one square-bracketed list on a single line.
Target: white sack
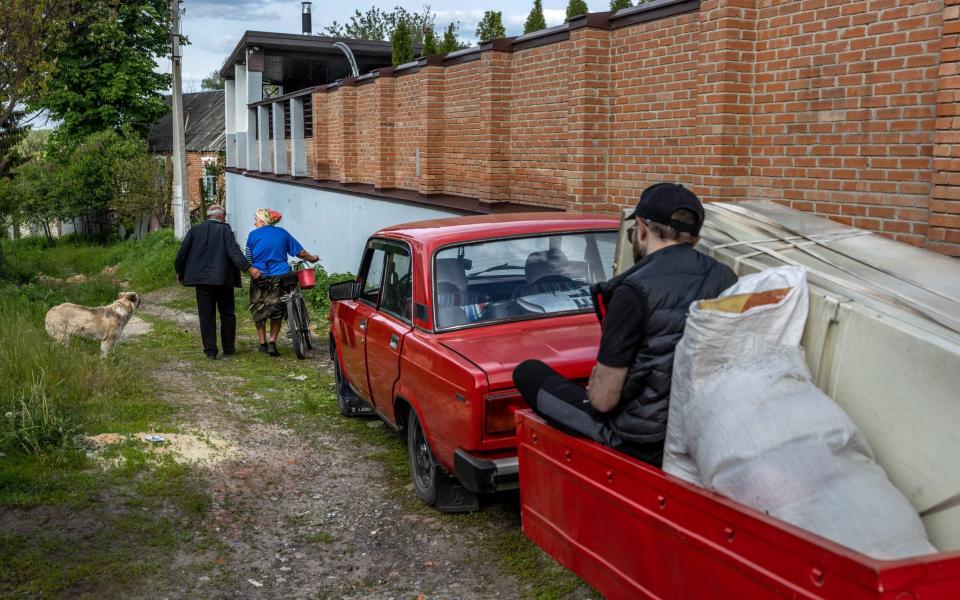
[(747, 421)]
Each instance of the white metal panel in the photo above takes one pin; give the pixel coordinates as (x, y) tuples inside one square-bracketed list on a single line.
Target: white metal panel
[(335, 226)]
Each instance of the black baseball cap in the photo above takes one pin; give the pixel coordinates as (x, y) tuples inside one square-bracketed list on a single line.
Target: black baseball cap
[(659, 201)]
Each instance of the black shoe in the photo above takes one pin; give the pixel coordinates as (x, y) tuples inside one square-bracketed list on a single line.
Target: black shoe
[(229, 352), (263, 349), (211, 356), (272, 349)]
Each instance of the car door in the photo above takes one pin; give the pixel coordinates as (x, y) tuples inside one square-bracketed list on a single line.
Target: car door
[(356, 320), (388, 327)]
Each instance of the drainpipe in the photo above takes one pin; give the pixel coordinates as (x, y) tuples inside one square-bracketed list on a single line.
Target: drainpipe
[(350, 58)]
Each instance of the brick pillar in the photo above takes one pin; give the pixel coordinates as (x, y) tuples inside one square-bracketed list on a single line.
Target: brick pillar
[(431, 139), (725, 98), (320, 106), (943, 232), (589, 120), (385, 118), (494, 148), (349, 165)]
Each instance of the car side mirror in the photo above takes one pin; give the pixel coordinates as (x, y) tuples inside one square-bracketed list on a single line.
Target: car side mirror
[(346, 290)]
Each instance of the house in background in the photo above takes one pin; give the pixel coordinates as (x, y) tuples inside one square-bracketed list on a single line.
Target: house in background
[(204, 139)]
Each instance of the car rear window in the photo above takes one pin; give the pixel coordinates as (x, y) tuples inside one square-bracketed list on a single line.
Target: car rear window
[(519, 278)]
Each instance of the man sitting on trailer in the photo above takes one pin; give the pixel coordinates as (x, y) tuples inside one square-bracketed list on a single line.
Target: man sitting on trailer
[(642, 313)]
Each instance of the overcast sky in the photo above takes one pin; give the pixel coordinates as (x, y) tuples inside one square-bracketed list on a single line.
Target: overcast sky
[(215, 26)]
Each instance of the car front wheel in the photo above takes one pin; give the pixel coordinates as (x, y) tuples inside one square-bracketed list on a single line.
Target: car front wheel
[(423, 468)]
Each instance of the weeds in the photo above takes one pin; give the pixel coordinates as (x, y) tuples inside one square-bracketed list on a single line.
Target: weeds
[(32, 423)]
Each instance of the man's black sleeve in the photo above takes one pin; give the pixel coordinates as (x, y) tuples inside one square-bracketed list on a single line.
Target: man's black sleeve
[(180, 262), (233, 250), (624, 327)]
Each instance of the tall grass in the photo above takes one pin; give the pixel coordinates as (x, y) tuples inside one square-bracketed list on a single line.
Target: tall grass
[(47, 390), (146, 263)]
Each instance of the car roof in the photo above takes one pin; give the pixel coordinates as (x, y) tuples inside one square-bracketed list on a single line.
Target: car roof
[(437, 232)]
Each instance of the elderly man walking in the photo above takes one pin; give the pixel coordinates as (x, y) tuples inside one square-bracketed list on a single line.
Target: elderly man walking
[(210, 261)]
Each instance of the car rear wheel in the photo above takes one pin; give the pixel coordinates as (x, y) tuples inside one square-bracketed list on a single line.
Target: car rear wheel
[(423, 468)]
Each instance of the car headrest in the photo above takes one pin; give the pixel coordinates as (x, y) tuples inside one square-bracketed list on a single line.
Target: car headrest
[(547, 263), (450, 271)]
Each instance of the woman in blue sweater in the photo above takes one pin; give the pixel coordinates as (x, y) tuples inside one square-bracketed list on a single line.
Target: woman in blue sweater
[(268, 247)]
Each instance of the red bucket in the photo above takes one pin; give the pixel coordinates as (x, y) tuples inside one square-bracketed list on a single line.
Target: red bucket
[(306, 279)]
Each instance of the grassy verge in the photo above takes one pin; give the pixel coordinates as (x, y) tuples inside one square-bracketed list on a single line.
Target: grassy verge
[(75, 527)]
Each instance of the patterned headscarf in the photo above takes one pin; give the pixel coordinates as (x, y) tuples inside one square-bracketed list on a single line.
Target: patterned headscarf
[(269, 216)]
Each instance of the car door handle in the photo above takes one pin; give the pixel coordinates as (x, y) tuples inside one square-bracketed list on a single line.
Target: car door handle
[(363, 324), (394, 341)]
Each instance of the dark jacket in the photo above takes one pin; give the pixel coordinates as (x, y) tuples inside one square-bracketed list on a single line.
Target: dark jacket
[(669, 280), (209, 255)]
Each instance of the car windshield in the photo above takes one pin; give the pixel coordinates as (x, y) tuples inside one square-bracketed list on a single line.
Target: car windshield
[(520, 278)]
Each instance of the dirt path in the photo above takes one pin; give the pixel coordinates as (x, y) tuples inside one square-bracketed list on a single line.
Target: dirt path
[(314, 513)]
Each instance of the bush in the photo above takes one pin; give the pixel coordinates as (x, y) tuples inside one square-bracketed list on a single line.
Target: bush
[(319, 297)]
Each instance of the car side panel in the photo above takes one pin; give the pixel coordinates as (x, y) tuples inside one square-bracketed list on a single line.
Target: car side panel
[(351, 322), (445, 390), (385, 338)]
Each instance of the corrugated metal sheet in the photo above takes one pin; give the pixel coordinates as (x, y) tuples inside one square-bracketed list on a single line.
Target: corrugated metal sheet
[(204, 131)]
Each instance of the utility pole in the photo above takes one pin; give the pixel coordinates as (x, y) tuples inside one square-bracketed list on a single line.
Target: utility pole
[(181, 205)]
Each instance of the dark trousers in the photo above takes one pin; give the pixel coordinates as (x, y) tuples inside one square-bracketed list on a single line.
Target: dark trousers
[(564, 405), (212, 299)]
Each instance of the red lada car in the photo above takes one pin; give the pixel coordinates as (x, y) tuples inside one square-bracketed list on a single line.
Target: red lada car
[(442, 311)]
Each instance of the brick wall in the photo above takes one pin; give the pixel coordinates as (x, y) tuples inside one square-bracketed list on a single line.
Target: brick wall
[(195, 172), (847, 109)]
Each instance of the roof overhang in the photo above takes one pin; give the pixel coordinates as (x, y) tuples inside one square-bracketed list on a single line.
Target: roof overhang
[(298, 61)]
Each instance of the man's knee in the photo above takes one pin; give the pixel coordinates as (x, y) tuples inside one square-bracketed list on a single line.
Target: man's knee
[(529, 377)]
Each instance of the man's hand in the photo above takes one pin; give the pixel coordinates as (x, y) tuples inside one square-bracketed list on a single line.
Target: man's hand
[(179, 278), (605, 387), (254, 273), (314, 258)]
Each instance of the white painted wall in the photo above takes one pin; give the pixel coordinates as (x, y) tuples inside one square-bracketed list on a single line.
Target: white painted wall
[(332, 225)]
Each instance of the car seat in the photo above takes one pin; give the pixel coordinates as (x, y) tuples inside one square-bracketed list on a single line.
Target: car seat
[(547, 271)]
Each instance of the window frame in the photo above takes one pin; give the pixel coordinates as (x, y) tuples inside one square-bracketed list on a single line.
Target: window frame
[(543, 234), (390, 251)]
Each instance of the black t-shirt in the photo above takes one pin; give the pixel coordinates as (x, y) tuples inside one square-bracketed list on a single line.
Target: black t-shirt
[(623, 327)]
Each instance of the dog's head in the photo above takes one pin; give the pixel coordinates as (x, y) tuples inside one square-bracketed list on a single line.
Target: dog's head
[(131, 297)]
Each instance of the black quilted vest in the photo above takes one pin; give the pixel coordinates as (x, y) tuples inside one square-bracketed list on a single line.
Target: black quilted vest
[(669, 280)]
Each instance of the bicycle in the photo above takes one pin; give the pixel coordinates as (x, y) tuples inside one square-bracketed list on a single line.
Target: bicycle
[(298, 320)]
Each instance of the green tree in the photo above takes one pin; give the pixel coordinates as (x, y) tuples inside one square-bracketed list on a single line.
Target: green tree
[(376, 24), (402, 44), (105, 74), (429, 44), (576, 8), (618, 4), (37, 194), (450, 42), (213, 81), (536, 20), (31, 35), (491, 26)]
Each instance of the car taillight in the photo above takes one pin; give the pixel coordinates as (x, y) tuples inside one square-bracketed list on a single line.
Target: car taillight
[(498, 411)]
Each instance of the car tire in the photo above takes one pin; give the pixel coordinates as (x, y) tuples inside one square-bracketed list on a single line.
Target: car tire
[(345, 396), (423, 468)]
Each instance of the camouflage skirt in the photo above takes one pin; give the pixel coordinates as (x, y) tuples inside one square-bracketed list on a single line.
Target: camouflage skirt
[(265, 294)]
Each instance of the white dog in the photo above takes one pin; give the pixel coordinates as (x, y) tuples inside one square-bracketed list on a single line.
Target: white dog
[(104, 323)]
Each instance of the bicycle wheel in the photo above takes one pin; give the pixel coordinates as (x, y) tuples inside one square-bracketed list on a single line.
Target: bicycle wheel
[(305, 320), (293, 325)]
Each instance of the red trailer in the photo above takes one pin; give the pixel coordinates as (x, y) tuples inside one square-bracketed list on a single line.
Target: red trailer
[(632, 531)]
